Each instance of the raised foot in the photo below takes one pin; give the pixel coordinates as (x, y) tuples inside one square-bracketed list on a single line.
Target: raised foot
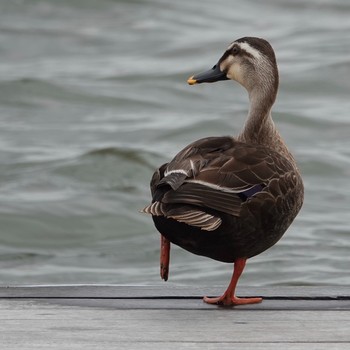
[(231, 301), (164, 272), (164, 257)]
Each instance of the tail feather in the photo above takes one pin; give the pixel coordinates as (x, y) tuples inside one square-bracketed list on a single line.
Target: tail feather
[(187, 215), (155, 209)]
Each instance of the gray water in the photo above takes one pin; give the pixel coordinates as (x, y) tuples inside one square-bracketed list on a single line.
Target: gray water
[(93, 97)]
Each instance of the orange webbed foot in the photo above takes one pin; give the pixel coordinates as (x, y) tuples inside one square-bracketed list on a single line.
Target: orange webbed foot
[(226, 300), (229, 298)]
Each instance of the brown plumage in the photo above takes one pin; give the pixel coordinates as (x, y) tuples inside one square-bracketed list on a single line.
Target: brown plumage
[(231, 198)]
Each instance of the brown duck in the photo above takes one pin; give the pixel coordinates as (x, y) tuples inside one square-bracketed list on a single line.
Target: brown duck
[(231, 198)]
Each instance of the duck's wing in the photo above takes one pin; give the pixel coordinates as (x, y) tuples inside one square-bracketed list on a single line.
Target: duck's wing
[(219, 174)]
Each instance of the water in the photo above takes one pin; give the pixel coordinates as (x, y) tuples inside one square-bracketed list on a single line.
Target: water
[(93, 97)]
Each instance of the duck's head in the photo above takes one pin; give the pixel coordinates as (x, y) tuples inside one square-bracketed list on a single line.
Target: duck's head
[(250, 61)]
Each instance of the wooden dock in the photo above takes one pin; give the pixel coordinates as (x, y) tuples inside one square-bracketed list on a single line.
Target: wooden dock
[(172, 317)]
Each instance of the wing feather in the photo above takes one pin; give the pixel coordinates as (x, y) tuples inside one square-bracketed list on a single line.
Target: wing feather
[(203, 196), (219, 174)]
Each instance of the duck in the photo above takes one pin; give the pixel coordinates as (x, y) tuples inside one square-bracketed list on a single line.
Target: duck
[(230, 198)]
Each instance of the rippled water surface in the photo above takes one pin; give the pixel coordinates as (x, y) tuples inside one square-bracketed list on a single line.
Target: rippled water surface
[(93, 97)]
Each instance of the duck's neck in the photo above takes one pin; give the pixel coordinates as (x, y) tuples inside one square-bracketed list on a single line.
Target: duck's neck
[(260, 128)]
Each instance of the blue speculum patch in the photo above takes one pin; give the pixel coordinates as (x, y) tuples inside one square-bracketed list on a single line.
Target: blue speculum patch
[(244, 195)]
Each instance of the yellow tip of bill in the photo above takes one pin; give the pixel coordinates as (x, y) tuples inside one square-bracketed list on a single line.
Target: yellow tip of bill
[(191, 81)]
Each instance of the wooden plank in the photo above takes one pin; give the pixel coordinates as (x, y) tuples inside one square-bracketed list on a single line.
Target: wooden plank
[(168, 290), (29, 325), (198, 304), (118, 317)]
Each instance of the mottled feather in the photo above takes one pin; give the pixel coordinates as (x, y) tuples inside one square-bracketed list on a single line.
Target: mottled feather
[(219, 169)]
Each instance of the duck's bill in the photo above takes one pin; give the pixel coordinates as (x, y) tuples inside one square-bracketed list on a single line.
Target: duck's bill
[(209, 76)]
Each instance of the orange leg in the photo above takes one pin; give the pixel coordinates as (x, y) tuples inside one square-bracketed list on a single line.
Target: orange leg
[(164, 257), (229, 297)]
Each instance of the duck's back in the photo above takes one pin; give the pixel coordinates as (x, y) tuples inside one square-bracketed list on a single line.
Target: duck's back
[(225, 199)]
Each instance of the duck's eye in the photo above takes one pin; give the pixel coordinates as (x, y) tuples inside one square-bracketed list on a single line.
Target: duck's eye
[(235, 50)]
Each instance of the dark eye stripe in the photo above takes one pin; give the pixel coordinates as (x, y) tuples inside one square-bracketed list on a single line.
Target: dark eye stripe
[(230, 52), (224, 56)]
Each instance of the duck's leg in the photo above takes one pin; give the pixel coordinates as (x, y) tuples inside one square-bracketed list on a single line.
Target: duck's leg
[(229, 297), (164, 257)]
